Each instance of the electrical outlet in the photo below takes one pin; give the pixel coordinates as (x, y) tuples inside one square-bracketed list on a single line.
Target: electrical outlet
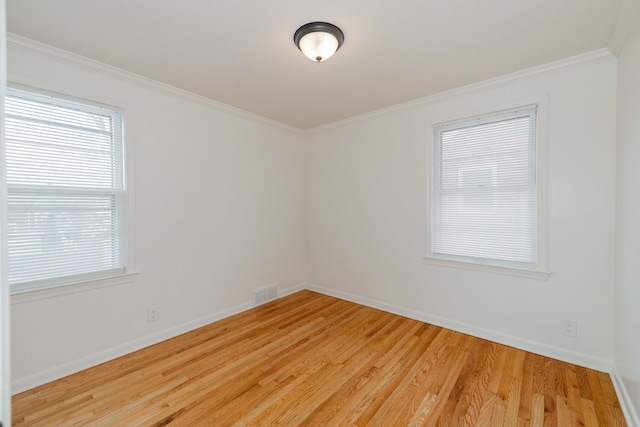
[(570, 328), (152, 314)]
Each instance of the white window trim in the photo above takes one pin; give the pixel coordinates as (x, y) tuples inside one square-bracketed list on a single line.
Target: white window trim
[(71, 288), (81, 284), (542, 269)]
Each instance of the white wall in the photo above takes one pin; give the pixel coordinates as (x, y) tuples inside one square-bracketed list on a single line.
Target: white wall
[(627, 292), (219, 207), (367, 227)]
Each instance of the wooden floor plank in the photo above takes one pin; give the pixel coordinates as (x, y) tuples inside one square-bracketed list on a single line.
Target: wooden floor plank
[(313, 360), (526, 394), (479, 391)]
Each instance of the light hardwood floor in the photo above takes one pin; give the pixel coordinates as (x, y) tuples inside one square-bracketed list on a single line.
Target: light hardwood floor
[(309, 359)]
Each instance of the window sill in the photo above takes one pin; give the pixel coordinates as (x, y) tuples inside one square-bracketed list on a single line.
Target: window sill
[(529, 274), (20, 297)]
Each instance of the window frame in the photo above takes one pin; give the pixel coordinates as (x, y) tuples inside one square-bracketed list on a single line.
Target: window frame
[(540, 271), (46, 288)]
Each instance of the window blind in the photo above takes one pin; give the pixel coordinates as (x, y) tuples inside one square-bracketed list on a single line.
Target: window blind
[(484, 195), (66, 190)]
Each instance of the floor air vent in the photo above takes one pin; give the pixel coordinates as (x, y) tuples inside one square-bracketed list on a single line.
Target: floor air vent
[(262, 295)]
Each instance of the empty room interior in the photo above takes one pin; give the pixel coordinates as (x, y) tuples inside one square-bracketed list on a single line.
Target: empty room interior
[(435, 221)]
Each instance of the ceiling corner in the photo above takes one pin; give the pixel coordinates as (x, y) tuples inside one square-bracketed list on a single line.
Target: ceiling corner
[(626, 17)]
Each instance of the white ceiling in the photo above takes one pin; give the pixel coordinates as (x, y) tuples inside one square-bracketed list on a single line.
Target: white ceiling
[(241, 53)]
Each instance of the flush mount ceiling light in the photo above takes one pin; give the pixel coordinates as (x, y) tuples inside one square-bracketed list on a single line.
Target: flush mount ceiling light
[(318, 40)]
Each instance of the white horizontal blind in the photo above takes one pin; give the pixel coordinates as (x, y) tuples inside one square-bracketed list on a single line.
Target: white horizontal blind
[(484, 207), (66, 190)]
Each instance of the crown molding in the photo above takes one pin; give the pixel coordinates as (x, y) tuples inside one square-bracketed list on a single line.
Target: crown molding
[(578, 61), (628, 13), (59, 55), (42, 50)]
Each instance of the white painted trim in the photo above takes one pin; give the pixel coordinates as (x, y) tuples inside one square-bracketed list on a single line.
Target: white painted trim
[(62, 56), (55, 89), (579, 61), (529, 274), (491, 335), (625, 400), (626, 17), (46, 51), (542, 273), (25, 383), (291, 290), (72, 288), (5, 307)]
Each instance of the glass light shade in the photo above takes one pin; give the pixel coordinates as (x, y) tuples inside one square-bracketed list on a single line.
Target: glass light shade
[(318, 41), (318, 46)]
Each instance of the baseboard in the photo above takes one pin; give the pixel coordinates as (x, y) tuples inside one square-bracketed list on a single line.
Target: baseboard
[(625, 400), (25, 383), (491, 335), (19, 385), (291, 290)]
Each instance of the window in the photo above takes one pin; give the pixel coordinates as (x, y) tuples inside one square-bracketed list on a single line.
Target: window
[(67, 202), (484, 206)]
